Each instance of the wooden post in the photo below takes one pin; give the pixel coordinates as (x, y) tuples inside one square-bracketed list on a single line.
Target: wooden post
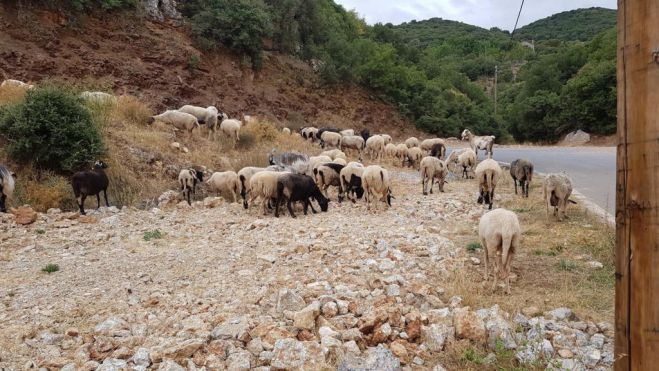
[(637, 200)]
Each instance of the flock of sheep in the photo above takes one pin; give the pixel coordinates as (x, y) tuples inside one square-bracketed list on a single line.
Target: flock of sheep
[(296, 177)]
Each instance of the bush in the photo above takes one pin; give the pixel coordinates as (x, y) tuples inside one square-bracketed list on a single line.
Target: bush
[(51, 130), (152, 235), (50, 268)]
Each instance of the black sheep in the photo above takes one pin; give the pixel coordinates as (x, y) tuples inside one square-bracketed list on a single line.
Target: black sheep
[(89, 183), (438, 150), (298, 187)]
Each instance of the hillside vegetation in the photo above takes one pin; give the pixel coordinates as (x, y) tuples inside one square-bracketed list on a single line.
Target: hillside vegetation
[(573, 25)]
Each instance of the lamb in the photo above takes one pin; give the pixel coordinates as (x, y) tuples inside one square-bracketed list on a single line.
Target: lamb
[(411, 142), (285, 158), (347, 132), (387, 138), (375, 146), (521, 171), (89, 183), (438, 150), (205, 116), (16, 83), (355, 142), (351, 180), (298, 187), (264, 185), (376, 183), (286, 131), (500, 235), (330, 139), (226, 181), (488, 174), (432, 168), (6, 186), (98, 97), (485, 142), (413, 156), (556, 190), (179, 120), (465, 159), (188, 179), (334, 154), (327, 175), (231, 128), (390, 150), (427, 144)]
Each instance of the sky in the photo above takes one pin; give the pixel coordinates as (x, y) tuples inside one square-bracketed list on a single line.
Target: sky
[(483, 13)]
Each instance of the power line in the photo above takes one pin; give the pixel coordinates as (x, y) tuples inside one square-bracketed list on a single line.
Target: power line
[(517, 21)]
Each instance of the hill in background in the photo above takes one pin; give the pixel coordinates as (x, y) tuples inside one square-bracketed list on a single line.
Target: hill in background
[(573, 25)]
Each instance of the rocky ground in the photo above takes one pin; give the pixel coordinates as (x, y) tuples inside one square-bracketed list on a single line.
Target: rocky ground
[(214, 287)]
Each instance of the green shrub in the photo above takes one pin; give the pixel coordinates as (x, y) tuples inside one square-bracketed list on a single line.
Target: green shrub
[(88, 4), (152, 235), (50, 268), (566, 265), (51, 130), (473, 246)]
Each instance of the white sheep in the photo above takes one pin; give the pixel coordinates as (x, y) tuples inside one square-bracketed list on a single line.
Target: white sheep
[(488, 174), (226, 181), (556, 190), (466, 159), (231, 128), (340, 161), (16, 83), (375, 147), (387, 138), (347, 132), (414, 156), (412, 142), (327, 175), (351, 180), (377, 185), (330, 139), (206, 116), (432, 168), (390, 150), (500, 236), (98, 97), (484, 142), (188, 179), (286, 131), (401, 151), (355, 142), (263, 185), (334, 154), (355, 164), (427, 144), (179, 120)]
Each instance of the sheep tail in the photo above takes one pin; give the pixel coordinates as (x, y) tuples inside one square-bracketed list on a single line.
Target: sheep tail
[(322, 177), (381, 175), (489, 180), (506, 245)]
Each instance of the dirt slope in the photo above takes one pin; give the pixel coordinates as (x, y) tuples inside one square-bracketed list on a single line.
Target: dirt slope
[(151, 60)]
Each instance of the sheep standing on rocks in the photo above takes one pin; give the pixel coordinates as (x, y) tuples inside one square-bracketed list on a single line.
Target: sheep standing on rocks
[(330, 139), (488, 174), (245, 175), (188, 179), (205, 116), (179, 120), (432, 168), (355, 142), (226, 181), (299, 187), (327, 175), (413, 157), (6, 187), (412, 142), (89, 183), (16, 83), (231, 128), (466, 159), (377, 185), (484, 142), (351, 180), (375, 147), (522, 171), (263, 185), (500, 235), (557, 189)]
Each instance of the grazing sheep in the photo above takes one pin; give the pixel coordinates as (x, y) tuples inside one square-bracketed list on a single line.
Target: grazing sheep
[(307, 167), (309, 133), (500, 235), (330, 139), (205, 116), (412, 142), (427, 144), (98, 97), (285, 158), (375, 147), (401, 152), (319, 133), (339, 161), (231, 128), (6, 186), (16, 83), (432, 168), (286, 131), (365, 134), (376, 183), (465, 158), (522, 171), (299, 187), (390, 150), (226, 181), (352, 142), (327, 175), (179, 120), (89, 183), (188, 179), (347, 132), (334, 154), (264, 185), (351, 180), (387, 138), (484, 142), (413, 157), (245, 175), (488, 174), (556, 190), (438, 150)]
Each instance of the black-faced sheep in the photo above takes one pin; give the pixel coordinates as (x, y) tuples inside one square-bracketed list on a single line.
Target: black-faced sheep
[(296, 188), (488, 174), (327, 175), (557, 189), (179, 120), (432, 168), (188, 179), (351, 180), (89, 183), (484, 142), (377, 185), (500, 236), (226, 181), (438, 150), (6, 187), (309, 133), (521, 171)]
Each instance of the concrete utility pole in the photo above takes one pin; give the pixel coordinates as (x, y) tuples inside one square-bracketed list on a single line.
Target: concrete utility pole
[(637, 200)]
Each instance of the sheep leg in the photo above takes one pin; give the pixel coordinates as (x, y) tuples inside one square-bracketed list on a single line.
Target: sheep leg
[(487, 259), (105, 195), (311, 206), (188, 192), (491, 199), (81, 203), (290, 208), (515, 183), (3, 198), (98, 200), (423, 185)]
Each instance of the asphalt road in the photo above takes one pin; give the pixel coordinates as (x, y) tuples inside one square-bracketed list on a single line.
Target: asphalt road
[(592, 169)]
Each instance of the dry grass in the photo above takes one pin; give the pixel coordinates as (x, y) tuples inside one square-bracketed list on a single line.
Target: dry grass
[(43, 192), (11, 95)]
